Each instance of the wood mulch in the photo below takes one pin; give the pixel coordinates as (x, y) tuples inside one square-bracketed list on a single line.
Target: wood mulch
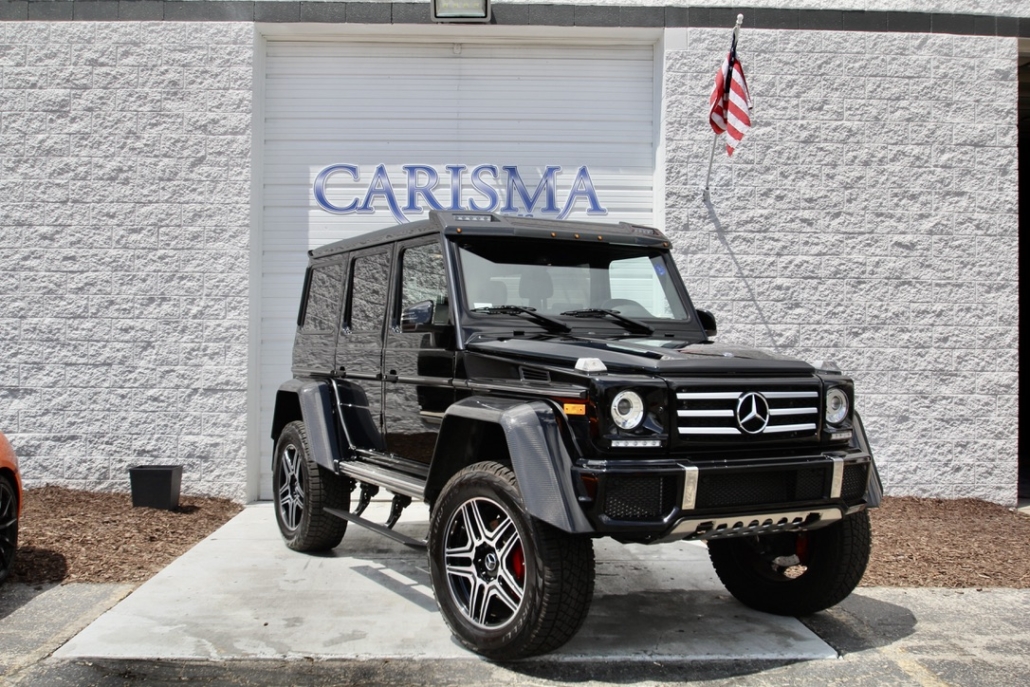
[(77, 536), (948, 543), (80, 536)]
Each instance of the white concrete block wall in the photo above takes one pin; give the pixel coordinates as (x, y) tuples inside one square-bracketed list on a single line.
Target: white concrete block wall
[(124, 250), (869, 217)]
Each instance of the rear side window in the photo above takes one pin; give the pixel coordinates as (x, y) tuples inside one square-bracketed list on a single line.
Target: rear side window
[(369, 286), (325, 291)]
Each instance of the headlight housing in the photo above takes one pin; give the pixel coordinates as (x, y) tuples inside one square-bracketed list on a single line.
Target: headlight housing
[(837, 406), (627, 410)]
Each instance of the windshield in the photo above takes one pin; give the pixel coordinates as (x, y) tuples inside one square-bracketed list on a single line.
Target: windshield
[(560, 278)]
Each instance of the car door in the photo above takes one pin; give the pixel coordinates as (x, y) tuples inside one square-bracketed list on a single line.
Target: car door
[(359, 351), (419, 366)]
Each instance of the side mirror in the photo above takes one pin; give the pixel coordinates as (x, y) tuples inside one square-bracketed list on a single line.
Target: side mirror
[(707, 320), (419, 318)]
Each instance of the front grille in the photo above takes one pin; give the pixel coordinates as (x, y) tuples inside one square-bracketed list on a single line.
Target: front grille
[(853, 487), (761, 488), (767, 411), (637, 498)]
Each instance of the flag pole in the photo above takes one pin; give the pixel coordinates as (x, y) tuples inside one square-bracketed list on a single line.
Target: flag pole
[(707, 196)]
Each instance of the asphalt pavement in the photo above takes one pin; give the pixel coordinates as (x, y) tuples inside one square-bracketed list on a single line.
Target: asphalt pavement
[(242, 609)]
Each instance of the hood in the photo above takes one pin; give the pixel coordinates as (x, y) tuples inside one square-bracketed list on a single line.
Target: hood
[(649, 356)]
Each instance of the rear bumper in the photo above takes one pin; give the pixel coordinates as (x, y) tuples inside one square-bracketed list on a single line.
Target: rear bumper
[(667, 500)]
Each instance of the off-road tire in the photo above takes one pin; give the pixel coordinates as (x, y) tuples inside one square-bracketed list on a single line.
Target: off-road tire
[(557, 569), (8, 526), (302, 489), (836, 558)]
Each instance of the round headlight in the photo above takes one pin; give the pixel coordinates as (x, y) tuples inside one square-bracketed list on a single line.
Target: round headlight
[(836, 406), (627, 409)]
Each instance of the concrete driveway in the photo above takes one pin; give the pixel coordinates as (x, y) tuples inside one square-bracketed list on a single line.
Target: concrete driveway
[(241, 594), (240, 609)]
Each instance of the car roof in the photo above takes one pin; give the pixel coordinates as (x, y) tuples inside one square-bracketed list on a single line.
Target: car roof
[(491, 224)]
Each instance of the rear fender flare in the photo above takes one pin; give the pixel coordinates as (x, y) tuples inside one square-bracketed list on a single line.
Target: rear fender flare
[(310, 401), (531, 434)]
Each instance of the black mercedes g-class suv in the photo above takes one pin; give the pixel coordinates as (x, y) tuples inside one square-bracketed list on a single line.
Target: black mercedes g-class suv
[(538, 383)]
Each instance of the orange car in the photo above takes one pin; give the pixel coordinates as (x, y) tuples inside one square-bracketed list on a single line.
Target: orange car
[(10, 507)]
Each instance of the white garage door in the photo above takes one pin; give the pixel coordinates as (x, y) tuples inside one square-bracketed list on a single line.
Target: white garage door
[(363, 135)]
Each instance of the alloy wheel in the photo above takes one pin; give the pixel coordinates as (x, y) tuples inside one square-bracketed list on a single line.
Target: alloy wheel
[(485, 563), (291, 487)]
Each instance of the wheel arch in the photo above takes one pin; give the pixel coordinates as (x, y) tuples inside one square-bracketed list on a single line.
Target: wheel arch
[(311, 402), (15, 480), (527, 434)]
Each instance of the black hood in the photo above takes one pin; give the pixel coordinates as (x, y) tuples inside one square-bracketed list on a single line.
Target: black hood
[(649, 356)]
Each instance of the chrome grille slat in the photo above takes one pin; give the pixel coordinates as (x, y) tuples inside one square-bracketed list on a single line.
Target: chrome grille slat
[(704, 410), (718, 395), (790, 428)]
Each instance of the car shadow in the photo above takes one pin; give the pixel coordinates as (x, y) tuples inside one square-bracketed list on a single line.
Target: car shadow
[(860, 623), (857, 624), (33, 565)]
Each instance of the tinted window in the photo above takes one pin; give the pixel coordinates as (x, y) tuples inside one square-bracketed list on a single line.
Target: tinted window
[(422, 276), (324, 294), (368, 292)]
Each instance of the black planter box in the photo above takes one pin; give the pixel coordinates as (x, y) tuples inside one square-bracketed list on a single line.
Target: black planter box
[(155, 486)]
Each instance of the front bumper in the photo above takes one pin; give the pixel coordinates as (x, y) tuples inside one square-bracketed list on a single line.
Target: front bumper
[(669, 499)]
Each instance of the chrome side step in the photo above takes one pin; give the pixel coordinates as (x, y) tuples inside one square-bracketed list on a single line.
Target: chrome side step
[(376, 527), (397, 482)]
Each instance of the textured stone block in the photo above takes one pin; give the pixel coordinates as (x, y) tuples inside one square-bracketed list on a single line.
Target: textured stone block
[(277, 11), (331, 12), (597, 15), (369, 12), (140, 10)]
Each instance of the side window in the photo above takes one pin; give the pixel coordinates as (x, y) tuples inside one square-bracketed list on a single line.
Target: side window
[(324, 293), (369, 286), (422, 276)]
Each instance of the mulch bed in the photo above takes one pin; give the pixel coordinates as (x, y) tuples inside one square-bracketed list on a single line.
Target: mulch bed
[(948, 543), (78, 536)]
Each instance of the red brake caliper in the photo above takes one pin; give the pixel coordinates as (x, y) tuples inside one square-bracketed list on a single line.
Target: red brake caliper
[(801, 548), (518, 563)]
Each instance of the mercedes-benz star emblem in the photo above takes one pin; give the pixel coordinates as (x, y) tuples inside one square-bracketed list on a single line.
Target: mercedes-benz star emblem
[(753, 413), (491, 562)]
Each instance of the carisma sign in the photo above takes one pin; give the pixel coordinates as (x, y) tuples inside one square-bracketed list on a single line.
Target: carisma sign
[(484, 188)]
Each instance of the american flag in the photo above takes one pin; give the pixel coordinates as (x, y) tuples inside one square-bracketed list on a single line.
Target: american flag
[(730, 104)]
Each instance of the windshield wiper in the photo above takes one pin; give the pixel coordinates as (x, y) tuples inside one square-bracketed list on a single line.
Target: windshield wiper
[(549, 323), (637, 325)]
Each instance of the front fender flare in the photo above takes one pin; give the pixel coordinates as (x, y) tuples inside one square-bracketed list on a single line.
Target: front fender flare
[(874, 490), (538, 455)]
